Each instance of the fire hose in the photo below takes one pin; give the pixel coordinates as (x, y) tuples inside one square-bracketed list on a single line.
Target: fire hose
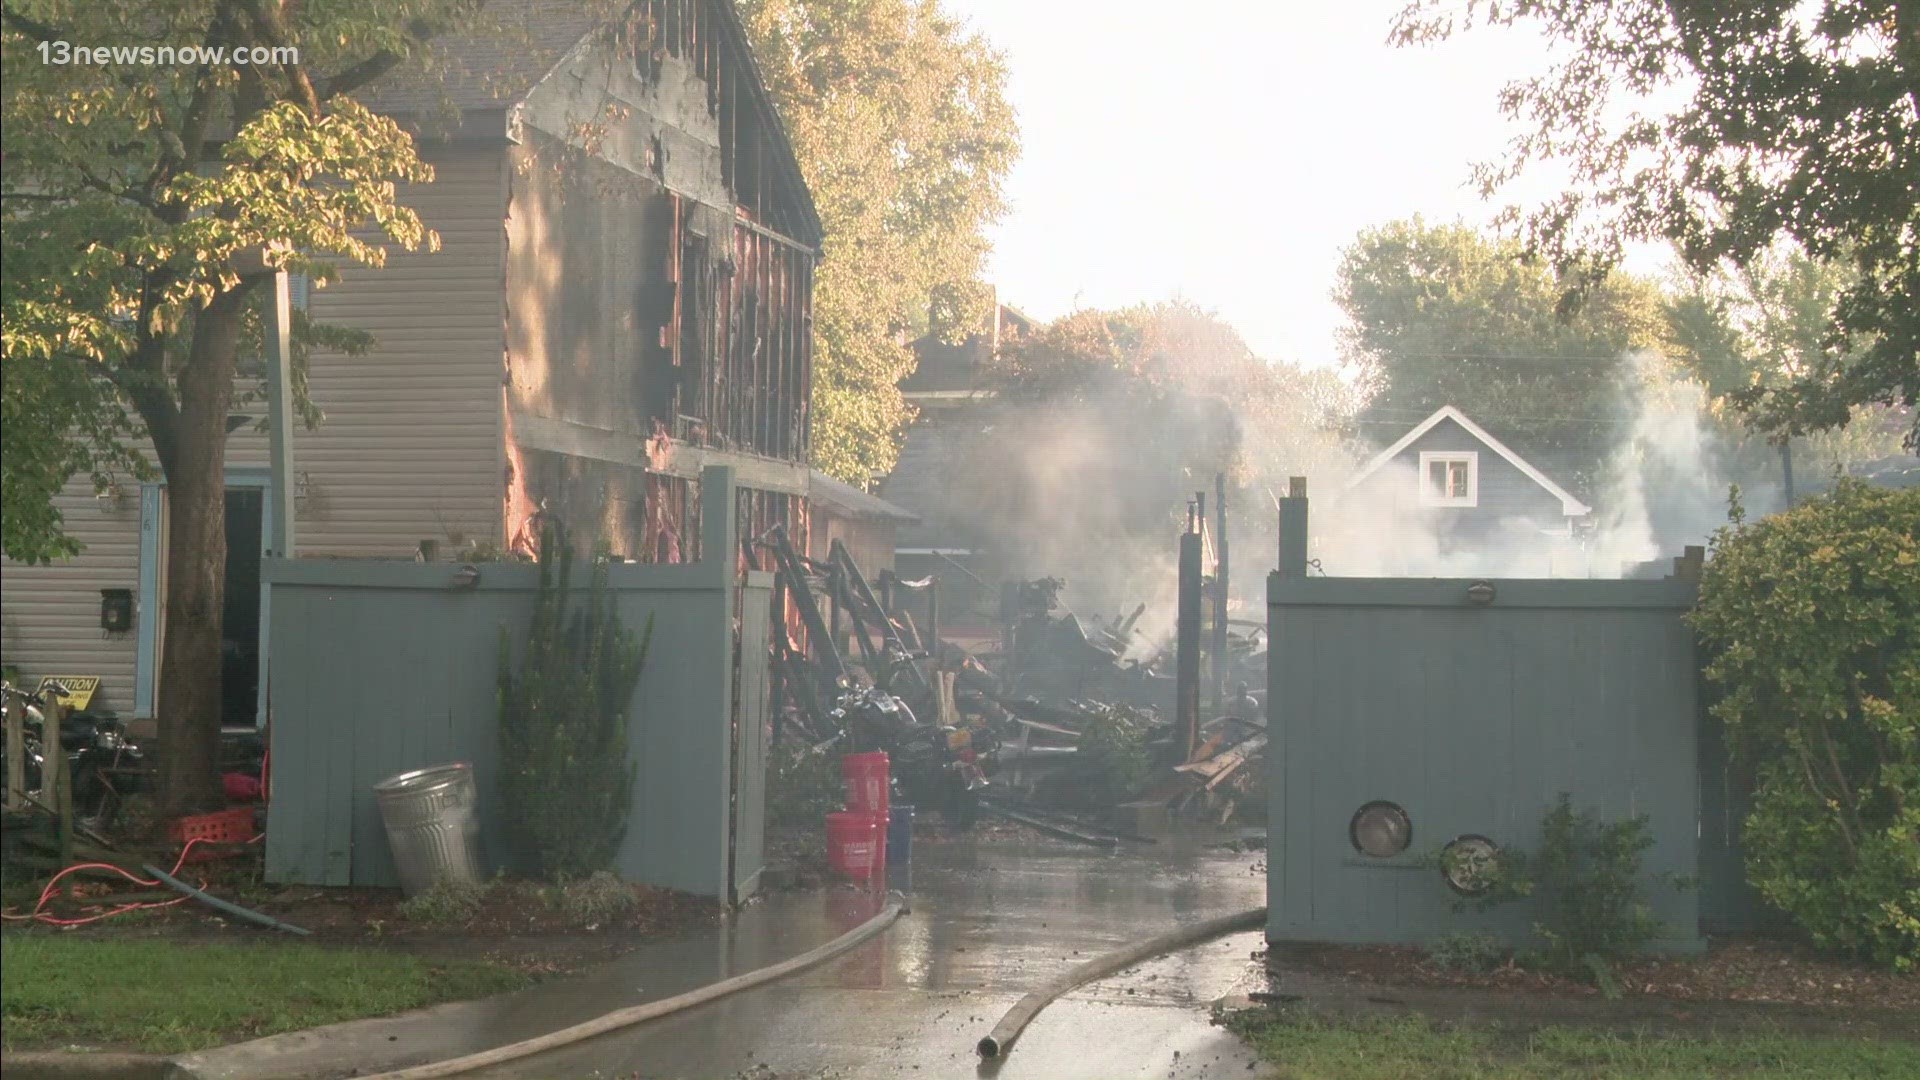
[(639, 1014), (1052, 828), (1000, 1040)]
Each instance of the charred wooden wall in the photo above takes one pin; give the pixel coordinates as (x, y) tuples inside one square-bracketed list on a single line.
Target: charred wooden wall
[(658, 299)]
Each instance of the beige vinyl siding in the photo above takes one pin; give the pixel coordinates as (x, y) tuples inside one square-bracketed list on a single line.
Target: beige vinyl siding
[(411, 445), (50, 615), (410, 448)]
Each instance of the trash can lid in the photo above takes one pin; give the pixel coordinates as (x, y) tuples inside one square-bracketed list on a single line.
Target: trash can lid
[(422, 779)]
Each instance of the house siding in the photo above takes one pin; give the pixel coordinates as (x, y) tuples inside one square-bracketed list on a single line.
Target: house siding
[(935, 451), (409, 449), (870, 543), (50, 615), (650, 310), (1507, 496)]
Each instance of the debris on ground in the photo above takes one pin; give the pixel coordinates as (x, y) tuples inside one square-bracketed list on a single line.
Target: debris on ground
[(1072, 714)]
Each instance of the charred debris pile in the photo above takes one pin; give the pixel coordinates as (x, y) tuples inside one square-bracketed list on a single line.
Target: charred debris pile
[(1084, 727)]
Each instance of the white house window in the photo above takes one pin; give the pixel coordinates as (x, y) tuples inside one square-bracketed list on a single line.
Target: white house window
[(1449, 478)]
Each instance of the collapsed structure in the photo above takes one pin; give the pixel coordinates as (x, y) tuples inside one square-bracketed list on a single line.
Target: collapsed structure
[(1068, 713)]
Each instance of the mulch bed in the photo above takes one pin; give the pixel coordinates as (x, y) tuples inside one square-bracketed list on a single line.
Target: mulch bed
[(1759, 971), (516, 924)]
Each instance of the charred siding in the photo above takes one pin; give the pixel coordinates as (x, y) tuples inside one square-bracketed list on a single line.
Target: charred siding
[(657, 297)]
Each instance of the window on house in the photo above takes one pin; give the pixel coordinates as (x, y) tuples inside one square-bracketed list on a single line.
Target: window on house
[(1449, 478)]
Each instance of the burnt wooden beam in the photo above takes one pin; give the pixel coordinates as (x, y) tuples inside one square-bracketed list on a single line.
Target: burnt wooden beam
[(806, 366), (1221, 593), (775, 236), (677, 458), (1187, 641), (783, 428)]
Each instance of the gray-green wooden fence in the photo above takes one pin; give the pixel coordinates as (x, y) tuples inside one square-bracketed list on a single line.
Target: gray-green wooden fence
[(381, 667), (1473, 718)]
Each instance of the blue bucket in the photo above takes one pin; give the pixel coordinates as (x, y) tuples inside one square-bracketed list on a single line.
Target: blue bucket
[(900, 847)]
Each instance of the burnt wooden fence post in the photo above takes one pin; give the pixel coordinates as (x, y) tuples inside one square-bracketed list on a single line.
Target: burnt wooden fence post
[(1187, 646), (1220, 593), (1293, 529)]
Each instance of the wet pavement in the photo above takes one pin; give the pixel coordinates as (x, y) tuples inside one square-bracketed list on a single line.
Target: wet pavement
[(988, 922)]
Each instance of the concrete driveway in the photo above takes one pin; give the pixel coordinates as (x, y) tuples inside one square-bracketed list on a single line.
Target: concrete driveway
[(989, 921)]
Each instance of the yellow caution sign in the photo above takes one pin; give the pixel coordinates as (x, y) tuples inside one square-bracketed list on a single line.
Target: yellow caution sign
[(80, 689)]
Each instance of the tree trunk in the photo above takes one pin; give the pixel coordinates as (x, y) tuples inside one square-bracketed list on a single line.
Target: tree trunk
[(190, 663)]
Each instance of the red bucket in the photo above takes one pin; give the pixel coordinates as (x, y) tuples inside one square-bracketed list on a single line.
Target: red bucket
[(855, 844), (867, 782)]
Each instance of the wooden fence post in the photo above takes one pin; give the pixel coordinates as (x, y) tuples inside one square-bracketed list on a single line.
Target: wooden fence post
[(53, 771), (16, 754)]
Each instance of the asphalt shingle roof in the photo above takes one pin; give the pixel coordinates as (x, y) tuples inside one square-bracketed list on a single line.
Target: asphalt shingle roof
[(490, 68)]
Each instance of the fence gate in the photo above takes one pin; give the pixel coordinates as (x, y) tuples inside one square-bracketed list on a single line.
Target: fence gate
[(752, 694), (1408, 714)]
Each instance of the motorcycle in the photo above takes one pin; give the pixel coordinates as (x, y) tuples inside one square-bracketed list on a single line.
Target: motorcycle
[(935, 767), (105, 764)]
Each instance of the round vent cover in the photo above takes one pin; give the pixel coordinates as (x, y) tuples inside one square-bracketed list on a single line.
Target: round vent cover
[(1380, 829), (1468, 864)]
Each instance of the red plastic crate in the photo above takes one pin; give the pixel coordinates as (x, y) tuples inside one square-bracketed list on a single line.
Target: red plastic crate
[(233, 826)]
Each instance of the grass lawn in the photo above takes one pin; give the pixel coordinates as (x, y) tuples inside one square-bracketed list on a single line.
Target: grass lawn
[(165, 997), (1308, 1048)]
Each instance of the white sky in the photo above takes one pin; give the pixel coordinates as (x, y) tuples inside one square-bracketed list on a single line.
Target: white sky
[(1225, 151)]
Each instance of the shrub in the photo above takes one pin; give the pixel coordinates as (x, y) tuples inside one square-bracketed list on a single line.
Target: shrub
[(447, 903), (1586, 880), (1112, 757), (1813, 619), (1586, 876), (596, 899), (1473, 952), (565, 776)]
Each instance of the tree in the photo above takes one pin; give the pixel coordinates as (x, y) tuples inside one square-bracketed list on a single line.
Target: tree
[(1107, 422), (1800, 122), (1076, 353), (1764, 326), (1097, 439), (56, 420), (900, 121), (1442, 315), (145, 205)]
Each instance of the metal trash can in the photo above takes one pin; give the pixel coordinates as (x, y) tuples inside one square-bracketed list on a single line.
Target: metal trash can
[(432, 826)]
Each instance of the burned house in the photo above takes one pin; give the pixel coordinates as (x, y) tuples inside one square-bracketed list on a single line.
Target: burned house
[(623, 297), (659, 278)]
